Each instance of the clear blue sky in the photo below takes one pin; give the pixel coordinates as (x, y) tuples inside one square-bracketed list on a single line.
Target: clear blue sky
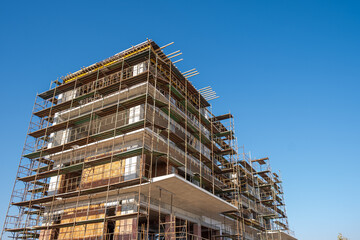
[(287, 70)]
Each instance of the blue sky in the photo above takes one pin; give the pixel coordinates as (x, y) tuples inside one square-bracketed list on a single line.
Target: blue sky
[(287, 70)]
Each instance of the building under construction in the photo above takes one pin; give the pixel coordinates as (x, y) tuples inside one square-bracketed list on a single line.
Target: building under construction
[(128, 148)]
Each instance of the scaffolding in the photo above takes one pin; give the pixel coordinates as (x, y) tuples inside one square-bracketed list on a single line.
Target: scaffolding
[(128, 148)]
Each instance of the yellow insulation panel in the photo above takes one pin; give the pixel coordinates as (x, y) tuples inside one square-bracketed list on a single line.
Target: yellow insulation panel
[(103, 172)]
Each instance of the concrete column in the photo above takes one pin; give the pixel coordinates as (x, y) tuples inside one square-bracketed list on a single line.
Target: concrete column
[(134, 229), (218, 233), (170, 227), (197, 231)]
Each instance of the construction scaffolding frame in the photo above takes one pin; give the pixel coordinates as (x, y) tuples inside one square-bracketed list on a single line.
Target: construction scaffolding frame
[(128, 148)]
